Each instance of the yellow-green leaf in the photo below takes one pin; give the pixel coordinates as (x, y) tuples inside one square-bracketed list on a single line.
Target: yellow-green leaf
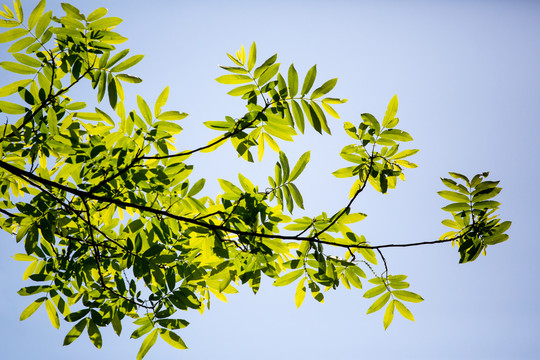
[(126, 64), (300, 293), (53, 315), (161, 100), (406, 313), (391, 111), (379, 303), (145, 110), (30, 309), (233, 79), (407, 296), (172, 339), (36, 14), (94, 334), (172, 115), (14, 87), (11, 108), (388, 315), (289, 277), (148, 342), (18, 68), (75, 332), (252, 58)]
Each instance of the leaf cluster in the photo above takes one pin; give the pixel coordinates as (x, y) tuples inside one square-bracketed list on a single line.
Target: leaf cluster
[(114, 226)]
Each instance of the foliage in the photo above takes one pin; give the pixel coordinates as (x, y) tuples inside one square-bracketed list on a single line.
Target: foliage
[(114, 227)]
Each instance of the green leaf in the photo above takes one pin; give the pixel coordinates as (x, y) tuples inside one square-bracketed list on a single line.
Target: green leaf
[(453, 196), (30, 309), (94, 334), (21, 44), (43, 23), (459, 176), (391, 111), (312, 116), (252, 58), (241, 90), (353, 278), (406, 313), (298, 116), (404, 154), (126, 64), (145, 110), (489, 204), (288, 278), (116, 323), (104, 23), (330, 110), (300, 166), (53, 315), (268, 74), (309, 80), (258, 71), (292, 77), (377, 290), (492, 240), (161, 100), (379, 303), (172, 339), (8, 23), (97, 14), (346, 172), (169, 127), (197, 187), (11, 108), (320, 115), (172, 115), (234, 79), (75, 332), (486, 194), (353, 218), (394, 134), (273, 144), (372, 121), (72, 11), (18, 10), (296, 195), (14, 87), (148, 342), (324, 89), (407, 296), (300, 293), (36, 14), (27, 60), (284, 165), (18, 68), (457, 207), (129, 78), (388, 315)]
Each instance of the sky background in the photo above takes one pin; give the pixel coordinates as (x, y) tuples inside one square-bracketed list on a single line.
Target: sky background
[(467, 77)]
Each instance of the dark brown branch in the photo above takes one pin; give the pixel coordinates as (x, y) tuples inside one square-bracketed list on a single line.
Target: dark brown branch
[(83, 194)]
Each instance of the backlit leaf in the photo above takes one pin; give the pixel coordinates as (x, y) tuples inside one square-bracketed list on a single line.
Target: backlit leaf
[(406, 313), (407, 296), (53, 315), (388, 315), (126, 64), (172, 339), (30, 309), (379, 303), (147, 343), (309, 80)]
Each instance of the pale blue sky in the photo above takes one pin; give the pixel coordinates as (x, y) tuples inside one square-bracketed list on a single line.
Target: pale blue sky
[(467, 77)]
